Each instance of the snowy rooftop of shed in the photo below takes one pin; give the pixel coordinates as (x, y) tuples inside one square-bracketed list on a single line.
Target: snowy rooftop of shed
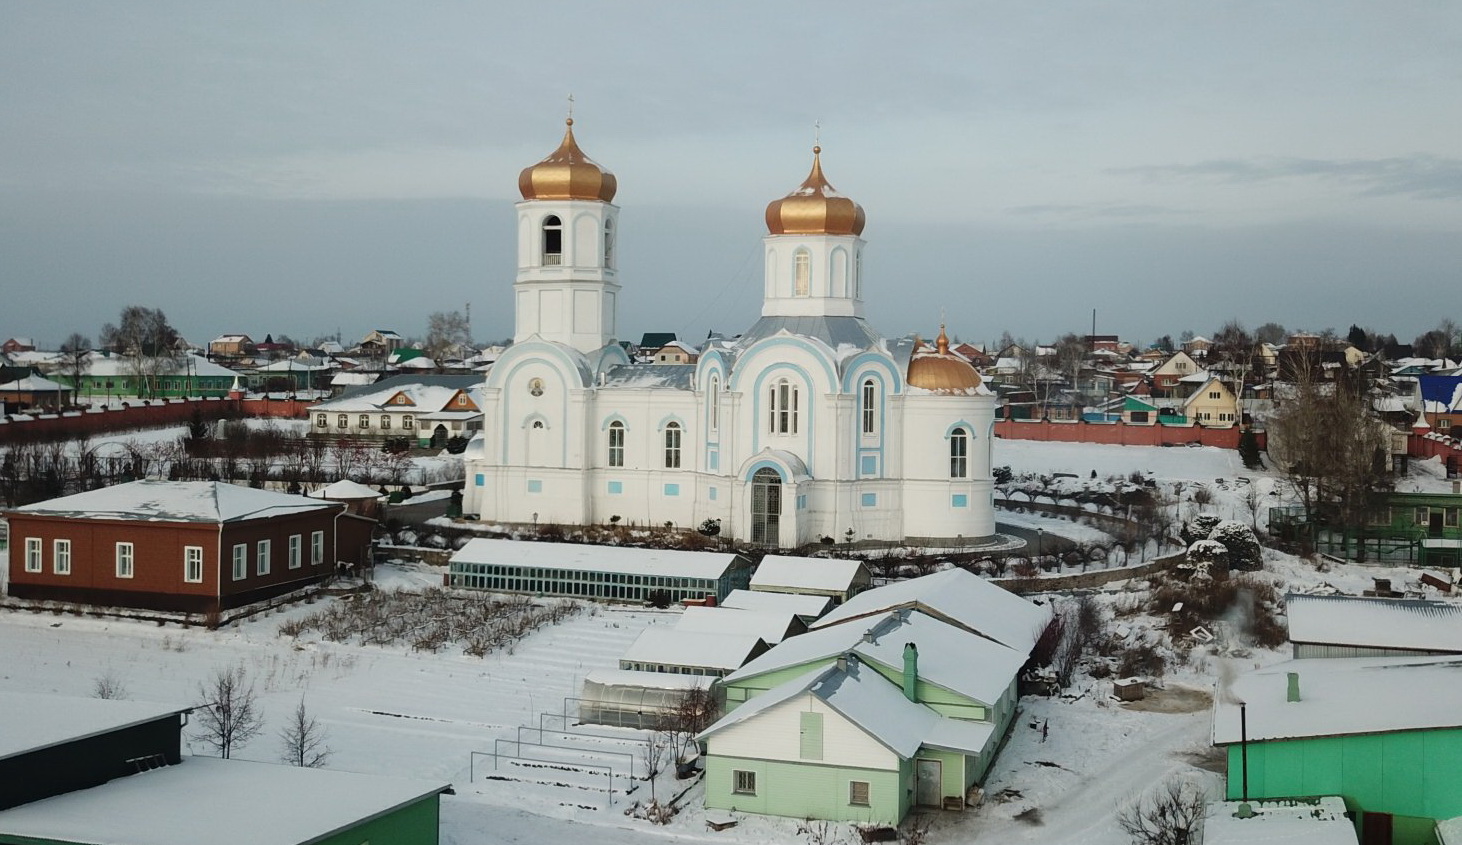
[(33, 721), (802, 605), (1376, 623), (1343, 696), (569, 556), (672, 647), (32, 383), (647, 680), (770, 625), (174, 805), (949, 657), (346, 489), (808, 573), (1310, 821), (176, 501), (959, 597)]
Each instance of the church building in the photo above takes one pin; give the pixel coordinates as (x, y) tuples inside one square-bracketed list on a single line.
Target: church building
[(808, 426)]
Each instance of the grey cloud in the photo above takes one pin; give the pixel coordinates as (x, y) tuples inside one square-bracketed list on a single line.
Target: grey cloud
[(1421, 175)]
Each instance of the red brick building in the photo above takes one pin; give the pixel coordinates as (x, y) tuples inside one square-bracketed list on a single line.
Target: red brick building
[(192, 546)]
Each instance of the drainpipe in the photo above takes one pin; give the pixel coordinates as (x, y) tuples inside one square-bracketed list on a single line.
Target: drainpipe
[(911, 670)]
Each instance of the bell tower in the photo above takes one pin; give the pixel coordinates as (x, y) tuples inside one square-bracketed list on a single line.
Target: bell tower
[(566, 289), (814, 251)]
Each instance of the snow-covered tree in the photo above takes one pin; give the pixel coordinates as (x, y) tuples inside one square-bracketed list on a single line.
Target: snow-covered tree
[(1209, 554), (1199, 527), (1243, 547)]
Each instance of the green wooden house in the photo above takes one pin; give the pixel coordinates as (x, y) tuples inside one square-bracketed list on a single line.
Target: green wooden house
[(1384, 734), (109, 376), (1410, 529)]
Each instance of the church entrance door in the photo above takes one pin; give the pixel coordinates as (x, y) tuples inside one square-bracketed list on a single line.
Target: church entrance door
[(766, 507)]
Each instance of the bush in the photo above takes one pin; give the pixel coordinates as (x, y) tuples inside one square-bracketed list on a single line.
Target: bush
[(1141, 659), (1209, 555), (1243, 547), (1199, 528), (1167, 815)]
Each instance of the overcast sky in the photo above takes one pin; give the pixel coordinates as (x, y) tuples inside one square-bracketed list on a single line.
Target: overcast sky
[(300, 168)]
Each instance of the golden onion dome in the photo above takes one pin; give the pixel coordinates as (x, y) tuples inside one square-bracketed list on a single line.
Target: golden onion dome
[(815, 208), (567, 174), (941, 370)]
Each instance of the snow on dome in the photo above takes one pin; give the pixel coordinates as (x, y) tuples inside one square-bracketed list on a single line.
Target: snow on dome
[(567, 174), (815, 208)]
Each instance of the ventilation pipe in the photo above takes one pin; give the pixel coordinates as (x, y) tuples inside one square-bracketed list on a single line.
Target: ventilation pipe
[(1294, 686), (911, 670)]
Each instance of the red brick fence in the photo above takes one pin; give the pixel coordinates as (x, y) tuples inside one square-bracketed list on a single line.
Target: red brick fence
[(141, 414)]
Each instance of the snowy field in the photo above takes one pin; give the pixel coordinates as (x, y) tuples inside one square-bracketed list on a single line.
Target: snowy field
[(1070, 763)]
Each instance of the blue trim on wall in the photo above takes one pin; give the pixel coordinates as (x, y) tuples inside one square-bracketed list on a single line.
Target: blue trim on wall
[(806, 428), (819, 352), (880, 434), (854, 370), (671, 418), (507, 407), (535, 485), (481, 480), (712, 493), (969, 429), (783, 472), (672, 489), (868, 465), (616, 487), (869, 500), (614, 418), (959, 500)]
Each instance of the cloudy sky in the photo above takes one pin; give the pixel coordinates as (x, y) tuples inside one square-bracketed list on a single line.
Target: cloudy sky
[(303, 168)]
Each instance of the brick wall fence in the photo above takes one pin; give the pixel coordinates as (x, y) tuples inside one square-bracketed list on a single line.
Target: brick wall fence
[(140, 414), (1121, 434), (1435, 445)]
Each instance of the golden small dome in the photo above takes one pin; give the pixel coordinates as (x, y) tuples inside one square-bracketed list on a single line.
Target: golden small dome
[(815, 208), (941, 370), (567, 174)]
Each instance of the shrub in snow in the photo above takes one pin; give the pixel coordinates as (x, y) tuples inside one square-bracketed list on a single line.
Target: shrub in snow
[(1209, 555), (1243, 547), (1199, 528)]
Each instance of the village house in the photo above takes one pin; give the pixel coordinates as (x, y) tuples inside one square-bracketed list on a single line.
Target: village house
[(1440, 400), (428, 409), (675, 352), (231, 347), (1360, 626), (1213, 405), (17, 344), (35, 393), (1164, 377), (194, 546)]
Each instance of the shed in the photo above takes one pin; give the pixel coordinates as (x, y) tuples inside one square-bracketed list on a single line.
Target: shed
[(772, 626), (807, 608), (1350, 626), (664, 649), (630, 699), (816, 576)]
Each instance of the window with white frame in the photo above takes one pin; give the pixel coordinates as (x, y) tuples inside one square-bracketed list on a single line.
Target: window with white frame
[(322, 421), (296, 551), (870, 397), (33, 554), (193, 564), (858, 793), (365, 420), (241, 561), (672, 446), (959, 454), (124, 560), (317, 548), (801, 273), (61, 557), (261, 557), (782, 408), (552, 241), (743, 782), (408, 422), (385, 422), (342, 421), (616, 444)]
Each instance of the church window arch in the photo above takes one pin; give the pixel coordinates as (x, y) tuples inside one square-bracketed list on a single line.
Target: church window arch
[(672, 446), (715, 400), (801, 273), (839, 272), (782, 404), (959, 453), (616, 444), (870, 407), (858, 274), (552, 240), (609, 243)]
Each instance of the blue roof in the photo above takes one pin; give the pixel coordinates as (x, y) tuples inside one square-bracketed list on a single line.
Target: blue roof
[(1446, 390)]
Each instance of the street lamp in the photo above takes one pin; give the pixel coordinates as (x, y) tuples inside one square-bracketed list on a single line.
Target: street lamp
[(1040, 543)]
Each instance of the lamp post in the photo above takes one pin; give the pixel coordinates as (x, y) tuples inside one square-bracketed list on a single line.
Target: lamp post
[(1040, 543)]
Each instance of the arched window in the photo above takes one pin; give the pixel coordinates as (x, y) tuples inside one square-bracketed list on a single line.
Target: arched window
[(766, 507), (672, 446), (715, 403), (870, 397), (959, 453), (552, 240), (608, 243), (858, 275), (616, 444), (801, 273), (782, 402)]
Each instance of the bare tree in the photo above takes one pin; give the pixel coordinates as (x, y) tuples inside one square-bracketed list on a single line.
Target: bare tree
[(652, 753), (228, 714), (304, 740), (108, 686), (1271, 333), (447, 333), (1167, 815), (146, 341), (76, 358), (693, 713)]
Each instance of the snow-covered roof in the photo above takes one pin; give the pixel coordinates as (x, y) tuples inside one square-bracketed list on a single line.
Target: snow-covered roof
[(1196, 378), (119, 365), (807, 573), (423, 396), (346, 489), (230, 338), (1341, 696), (352, 378), (294, 365), (647, 680), (32, 384), (871, 702), (662, 376), (957, 596), (1376, 623), (949, 657), (176, 501), (673, 647), (767, 624), (1284, 821), (204, 796), (833, 331), (802, 605), (571, 556), (36, 721)]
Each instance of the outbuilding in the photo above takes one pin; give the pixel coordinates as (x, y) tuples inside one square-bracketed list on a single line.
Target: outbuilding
[(839, 580)]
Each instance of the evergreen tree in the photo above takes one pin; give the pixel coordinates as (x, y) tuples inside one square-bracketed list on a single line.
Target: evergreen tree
[(1249, 450)]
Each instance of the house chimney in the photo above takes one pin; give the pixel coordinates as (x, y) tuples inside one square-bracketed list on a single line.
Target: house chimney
[(1294, 686), (911, 670)]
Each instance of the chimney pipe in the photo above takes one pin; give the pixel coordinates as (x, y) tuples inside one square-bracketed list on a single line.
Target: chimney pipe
[(911, 670), (1294, 686)]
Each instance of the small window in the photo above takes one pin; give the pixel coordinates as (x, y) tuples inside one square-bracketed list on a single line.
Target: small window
[(296, 549), (342, 421), (322, 421), (616, 444), (365, 421), (782, 404), (193, 564), (317, 548), (959, 451), (1214, 394), (385, 422), (801, 273), (715, 403), (241, 561), (1423, 516), (1444, 424), (261, 557), (33, 554), (672, 446), (858, 793), (609, 243), (870, 395), (552, 241), (408, 422), (743, 782), (61, 557), (124, 560)]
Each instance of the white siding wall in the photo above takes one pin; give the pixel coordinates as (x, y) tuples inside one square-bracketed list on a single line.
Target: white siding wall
[(775, 735)]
